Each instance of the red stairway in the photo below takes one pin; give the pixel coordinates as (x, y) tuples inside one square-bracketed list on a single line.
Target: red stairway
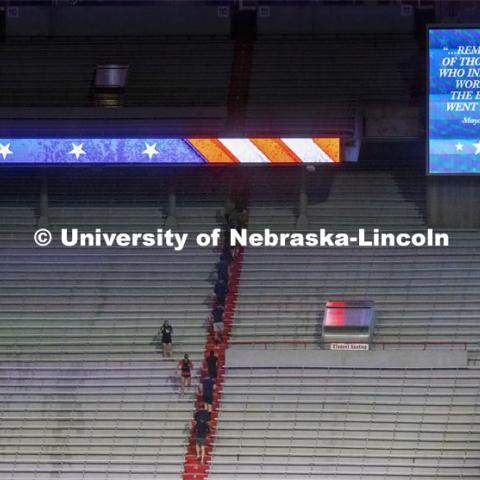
[(193, 470)]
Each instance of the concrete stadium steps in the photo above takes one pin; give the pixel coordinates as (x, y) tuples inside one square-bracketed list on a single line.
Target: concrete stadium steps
[(342, 201), (18, 217), (52, 300), (368, 199), (279, 422), (59, 72), (86, 393), (421, 294), (135, 216), (291, 88), (101, 417), (356, 55), (87, 205), (441, 306)]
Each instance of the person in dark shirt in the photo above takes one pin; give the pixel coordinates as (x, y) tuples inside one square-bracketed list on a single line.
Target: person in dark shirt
[(234, 219), (202, 430), (217, 322), (243, 218), (166, 333), (202, 416), (208, 387), (223, 268), (226, 247), (217, 313), (227, 254), (221, 290), (185, 366), (212, 363)]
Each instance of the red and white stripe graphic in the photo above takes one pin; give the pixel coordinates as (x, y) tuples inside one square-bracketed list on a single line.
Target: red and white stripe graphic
[(307, 150), (244, 150), (267, 150)]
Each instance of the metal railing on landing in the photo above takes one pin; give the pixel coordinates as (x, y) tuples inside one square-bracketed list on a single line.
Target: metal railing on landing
[(426, 345)]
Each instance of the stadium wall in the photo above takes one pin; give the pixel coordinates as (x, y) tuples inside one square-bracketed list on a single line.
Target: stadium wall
[(166, 19), (242, 357), (191, 19), (334, 19), (452, 202)]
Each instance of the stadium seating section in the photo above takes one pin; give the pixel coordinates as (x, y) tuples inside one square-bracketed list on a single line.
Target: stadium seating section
[(189, 77), (87, 395), (347, 423), (85, 392), (306, 98), (421, 294), (163, 72)]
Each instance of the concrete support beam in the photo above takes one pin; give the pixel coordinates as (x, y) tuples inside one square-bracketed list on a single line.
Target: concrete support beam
[(43, 220), (453, 202), (171, 220), (302, 219)]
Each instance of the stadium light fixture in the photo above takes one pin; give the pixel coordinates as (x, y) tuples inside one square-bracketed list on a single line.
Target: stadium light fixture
[(110, 84)]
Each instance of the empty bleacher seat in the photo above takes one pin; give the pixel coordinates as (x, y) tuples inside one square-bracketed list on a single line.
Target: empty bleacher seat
[(421, 294), (85, 392), (363, 423), (59, 72), (317, 84)]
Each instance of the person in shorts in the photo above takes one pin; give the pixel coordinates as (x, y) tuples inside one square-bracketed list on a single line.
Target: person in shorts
[(202, 430), (185, 367), (208, 387), (212, 364), (166, 333), (217, 322), (221, 291)]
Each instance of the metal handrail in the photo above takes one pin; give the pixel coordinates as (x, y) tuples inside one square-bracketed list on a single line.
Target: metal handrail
[(306, 343)]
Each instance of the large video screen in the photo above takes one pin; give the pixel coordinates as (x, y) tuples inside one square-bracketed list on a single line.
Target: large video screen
[(454, 101), (168, 150)]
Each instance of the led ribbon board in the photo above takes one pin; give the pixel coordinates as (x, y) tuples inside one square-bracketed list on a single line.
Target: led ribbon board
[(454, 100), (168, 150)]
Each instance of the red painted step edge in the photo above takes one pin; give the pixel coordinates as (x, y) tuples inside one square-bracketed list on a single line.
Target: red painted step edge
[(193, 470)]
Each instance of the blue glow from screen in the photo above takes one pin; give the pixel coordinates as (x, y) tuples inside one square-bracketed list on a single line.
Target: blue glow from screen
[(454, 100)]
